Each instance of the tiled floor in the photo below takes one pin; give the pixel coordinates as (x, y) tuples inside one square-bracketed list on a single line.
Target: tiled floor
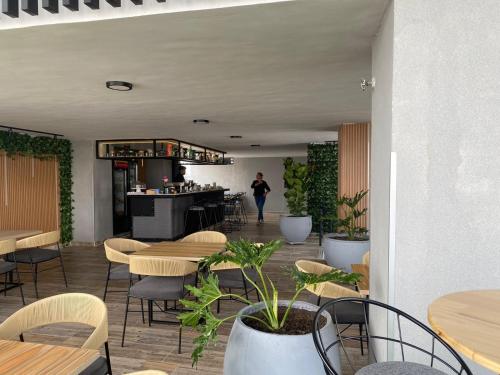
[(148, 347)]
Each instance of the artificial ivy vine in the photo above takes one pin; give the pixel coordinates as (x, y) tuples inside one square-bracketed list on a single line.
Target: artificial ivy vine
[(322, 192), (42, 148)]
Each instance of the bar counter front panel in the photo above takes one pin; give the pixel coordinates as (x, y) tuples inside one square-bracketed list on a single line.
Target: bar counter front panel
[(161, 216)]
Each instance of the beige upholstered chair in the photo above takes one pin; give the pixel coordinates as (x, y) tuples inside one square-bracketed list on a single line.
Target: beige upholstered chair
[(117, 250), (165, 281), (346, 313), (6, 267), (62, 308), (206, 236), (31, 251)]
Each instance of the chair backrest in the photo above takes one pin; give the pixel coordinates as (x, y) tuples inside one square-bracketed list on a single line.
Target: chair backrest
[(161, 266), (366, 258), (402, 342), (44, 239), (364, 270), (206, 236), (7, 246), (62, 308), (116, 248), (326, 289)]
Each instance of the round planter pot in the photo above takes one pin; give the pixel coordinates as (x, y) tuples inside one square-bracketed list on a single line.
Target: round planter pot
[(250, 351), (341, 253), (295, 229)]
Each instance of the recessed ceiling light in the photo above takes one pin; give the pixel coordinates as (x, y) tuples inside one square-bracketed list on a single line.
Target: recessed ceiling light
[(235, 136), (119, 85), (201, 121), (254, 145)]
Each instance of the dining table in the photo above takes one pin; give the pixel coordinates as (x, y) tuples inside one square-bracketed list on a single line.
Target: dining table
[(25, 358), (469, 322), (190, 251), (18, 234)]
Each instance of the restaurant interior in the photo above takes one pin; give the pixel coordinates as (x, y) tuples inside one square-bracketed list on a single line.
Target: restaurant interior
[(249, 187)]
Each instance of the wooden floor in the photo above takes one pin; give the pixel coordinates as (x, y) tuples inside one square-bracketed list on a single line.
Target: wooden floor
[(147, 347)]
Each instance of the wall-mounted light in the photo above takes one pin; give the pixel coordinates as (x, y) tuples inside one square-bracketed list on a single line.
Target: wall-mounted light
[(201, 121), (235, 136), (255, 145), (119, 85), (365, 84)]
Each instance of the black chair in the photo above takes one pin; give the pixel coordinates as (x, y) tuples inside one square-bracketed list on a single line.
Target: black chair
[(196, 218), (8, 268), (30, 251), (402, 343)]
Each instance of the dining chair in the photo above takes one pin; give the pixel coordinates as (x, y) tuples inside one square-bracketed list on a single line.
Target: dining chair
[(205, 236), (64, 308), (32, 251), (8, 268), (435, 352), (350, 314), (165, 281), (117, 251)]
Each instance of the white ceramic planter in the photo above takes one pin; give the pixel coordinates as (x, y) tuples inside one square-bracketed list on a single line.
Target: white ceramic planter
[(295, 229), (250, 351), (341, 253)]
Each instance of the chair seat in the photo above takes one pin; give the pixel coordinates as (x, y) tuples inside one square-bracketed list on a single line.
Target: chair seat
[(196, 208), (35, 255), (98, 367), (233, 278), (121, 272), (398, 368), (6, 267), (347, 312), (162, 288)]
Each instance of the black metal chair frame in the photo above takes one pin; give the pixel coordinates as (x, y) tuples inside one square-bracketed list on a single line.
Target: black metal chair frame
[(166, 310), (9, 283), (245, 288), (35, 271), (106, 291), (434, 358)]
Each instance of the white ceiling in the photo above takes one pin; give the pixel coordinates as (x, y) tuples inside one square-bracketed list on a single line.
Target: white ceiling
[(281, 75)]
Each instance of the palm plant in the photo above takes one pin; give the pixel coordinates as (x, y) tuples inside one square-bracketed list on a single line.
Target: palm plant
[(351, 214), (247, 255)]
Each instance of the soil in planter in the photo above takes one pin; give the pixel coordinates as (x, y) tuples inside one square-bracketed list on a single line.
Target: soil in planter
[(298, 322)]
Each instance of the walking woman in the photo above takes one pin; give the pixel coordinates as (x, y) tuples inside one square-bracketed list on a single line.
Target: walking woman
[(260, 191)]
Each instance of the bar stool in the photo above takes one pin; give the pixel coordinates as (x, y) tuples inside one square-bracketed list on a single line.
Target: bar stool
[(213, 214), (196, 211)]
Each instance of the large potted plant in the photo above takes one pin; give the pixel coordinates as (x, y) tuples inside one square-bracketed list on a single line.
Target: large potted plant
[(296, 226), (351, 241), (270, 337)]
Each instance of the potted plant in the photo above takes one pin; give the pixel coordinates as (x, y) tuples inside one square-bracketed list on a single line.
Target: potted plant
[(351, 241), (296, 226), (270, 337)]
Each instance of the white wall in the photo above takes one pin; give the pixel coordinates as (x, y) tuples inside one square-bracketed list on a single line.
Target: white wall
[(92, 195), (239, 176), (445, 134), (380, 159)]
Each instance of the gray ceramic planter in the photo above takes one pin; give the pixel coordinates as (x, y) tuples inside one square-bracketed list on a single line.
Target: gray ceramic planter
[(341, 253), (295, 229), (250, 351)]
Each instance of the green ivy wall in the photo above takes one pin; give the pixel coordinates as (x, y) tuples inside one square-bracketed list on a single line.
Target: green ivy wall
[(45, 147), (323, 164)]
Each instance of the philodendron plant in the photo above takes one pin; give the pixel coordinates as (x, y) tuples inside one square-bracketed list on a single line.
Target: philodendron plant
[(296, 177), (348, 224), (248, 256)]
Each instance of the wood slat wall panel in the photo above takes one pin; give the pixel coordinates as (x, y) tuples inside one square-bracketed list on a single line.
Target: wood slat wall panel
[(354, 162), (29, 193)]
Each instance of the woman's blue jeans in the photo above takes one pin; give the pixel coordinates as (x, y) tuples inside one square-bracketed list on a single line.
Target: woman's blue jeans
[(259, 201)]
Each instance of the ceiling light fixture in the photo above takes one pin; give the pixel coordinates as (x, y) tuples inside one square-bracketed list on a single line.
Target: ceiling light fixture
[(254, 145), (201, 121), (235, 136), (119, 85)]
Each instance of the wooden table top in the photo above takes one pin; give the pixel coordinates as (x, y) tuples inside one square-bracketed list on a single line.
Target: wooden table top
[(29, 358), (470, 323), (18, 234), (191, 251)]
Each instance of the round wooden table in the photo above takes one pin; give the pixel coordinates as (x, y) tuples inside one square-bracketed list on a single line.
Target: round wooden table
[(470, 323)]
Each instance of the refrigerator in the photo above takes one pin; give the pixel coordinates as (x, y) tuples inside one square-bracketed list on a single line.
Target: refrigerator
[(124, 179)]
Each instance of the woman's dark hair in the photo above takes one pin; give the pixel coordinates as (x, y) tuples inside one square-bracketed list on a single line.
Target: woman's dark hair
[(181, 168), (260, 174)]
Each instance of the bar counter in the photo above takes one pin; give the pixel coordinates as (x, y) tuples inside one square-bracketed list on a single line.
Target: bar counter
[(161, 216)]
